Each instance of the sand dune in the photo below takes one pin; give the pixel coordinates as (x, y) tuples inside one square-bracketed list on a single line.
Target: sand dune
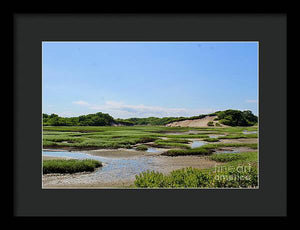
[(193, 123)]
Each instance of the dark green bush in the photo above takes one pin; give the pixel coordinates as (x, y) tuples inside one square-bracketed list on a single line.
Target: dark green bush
[(97, 119), (141, 148), (210, 123), (237, 117)]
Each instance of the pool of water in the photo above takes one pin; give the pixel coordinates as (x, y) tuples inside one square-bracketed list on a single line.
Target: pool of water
[(114, 169), (196, 144), (153, 150), (215, 136), (249, 132)]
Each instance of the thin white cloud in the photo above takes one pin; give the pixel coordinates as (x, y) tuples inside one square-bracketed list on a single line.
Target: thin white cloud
[(251, 101), (122, 110), (84, 103)]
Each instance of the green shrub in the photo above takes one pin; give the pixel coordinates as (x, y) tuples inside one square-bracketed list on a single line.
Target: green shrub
[(210, 123), (217, 124), (237, 118), (235, 178), (141, 148), (150, 179), (69, 166), (198, 178), (188, 178)]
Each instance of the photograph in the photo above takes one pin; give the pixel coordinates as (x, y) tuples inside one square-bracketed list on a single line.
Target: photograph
[(150, 115)]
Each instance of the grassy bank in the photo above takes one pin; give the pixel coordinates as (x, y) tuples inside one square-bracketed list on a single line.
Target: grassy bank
[(249, 157), (206, 149), (183, 152), (70, 166), (240, 171)]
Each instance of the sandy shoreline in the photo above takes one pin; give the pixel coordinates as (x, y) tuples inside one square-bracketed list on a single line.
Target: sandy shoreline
[(54, 158)]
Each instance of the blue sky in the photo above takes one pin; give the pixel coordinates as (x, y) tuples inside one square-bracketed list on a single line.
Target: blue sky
[(142, 79)]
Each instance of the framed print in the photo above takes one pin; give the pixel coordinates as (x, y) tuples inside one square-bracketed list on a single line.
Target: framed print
[(150, 115)]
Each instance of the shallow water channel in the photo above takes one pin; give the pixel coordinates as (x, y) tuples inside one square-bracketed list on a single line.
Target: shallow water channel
[(249, 132), (153, 150), (122, 166), (113, 170), (196, 144)]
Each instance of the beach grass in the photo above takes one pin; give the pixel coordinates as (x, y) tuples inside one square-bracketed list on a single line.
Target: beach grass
[(70, 166)]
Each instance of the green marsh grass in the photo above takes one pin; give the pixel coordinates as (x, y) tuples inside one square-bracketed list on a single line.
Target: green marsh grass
[(70, 166), (238, 136), (248, 157), (186, 152), (114, 137), (207, 149), (220, 145), (189, 177)]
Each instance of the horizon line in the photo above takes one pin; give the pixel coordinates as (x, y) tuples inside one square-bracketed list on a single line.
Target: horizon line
[(149, 116)]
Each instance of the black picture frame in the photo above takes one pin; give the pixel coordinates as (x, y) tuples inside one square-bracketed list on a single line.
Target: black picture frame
[(270, 30)]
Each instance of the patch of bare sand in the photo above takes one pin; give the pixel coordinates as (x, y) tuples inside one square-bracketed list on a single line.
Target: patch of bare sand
[(195, 123), (118, 153), (53, 158), (235, 149), (62, 180), (69, 181), (115, 184), (125, 153), (172, 163), (241, 140)]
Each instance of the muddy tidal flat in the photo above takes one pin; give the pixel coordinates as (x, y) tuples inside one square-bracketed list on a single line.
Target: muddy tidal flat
[(119, 167)]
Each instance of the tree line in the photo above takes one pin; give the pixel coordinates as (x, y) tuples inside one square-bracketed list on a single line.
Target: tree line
[(236, 117), (228, 117), (97, 119)]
